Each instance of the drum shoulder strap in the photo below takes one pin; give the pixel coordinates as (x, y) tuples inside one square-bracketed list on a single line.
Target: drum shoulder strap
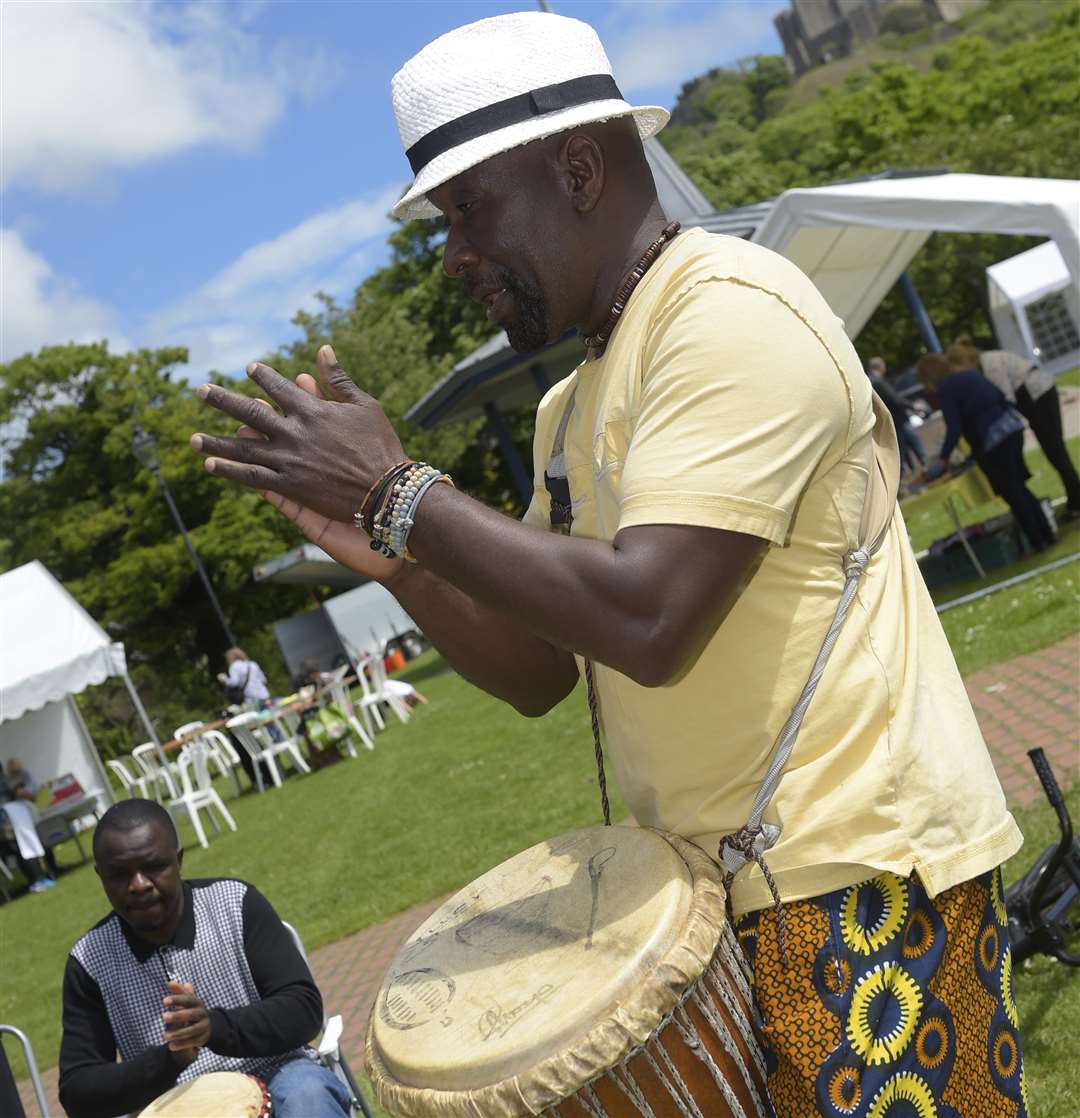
[(751, 841)]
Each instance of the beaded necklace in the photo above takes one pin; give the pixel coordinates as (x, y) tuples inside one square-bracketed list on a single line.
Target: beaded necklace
[(598, 340)]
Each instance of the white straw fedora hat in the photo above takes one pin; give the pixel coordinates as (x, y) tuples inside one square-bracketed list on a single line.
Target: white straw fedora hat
[(496, 84)]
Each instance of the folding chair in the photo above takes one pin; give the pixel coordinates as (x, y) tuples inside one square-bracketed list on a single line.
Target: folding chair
[(10, 1104), (328, 1043), (378, 681), (340, 698), (223, 754)]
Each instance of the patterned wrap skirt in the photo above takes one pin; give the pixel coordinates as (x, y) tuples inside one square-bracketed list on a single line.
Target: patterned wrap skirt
[(893, 1004)]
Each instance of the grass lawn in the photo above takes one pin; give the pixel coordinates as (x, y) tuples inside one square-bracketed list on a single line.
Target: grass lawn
[(1020, 619)]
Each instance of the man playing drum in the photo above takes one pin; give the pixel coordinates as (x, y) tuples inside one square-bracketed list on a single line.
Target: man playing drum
[(184, 978), (700, 485)]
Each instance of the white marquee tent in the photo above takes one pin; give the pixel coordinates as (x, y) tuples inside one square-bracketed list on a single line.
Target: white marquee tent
[(50, 650), (1035, 305), (855, 240)]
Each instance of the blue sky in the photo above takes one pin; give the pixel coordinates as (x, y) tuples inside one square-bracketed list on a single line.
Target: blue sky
[(191, 173)]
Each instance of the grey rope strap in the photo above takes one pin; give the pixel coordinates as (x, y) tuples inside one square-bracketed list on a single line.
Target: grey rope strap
[(749, 843), (755, 837)]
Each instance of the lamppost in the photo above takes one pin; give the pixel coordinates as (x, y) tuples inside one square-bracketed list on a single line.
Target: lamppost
[(145, 448)]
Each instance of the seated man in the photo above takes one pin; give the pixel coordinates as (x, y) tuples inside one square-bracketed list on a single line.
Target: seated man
[(184, 978)]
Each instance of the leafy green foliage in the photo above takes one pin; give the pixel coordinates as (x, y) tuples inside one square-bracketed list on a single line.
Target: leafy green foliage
[(75, 498)]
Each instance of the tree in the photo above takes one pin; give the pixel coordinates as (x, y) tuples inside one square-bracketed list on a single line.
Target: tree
[(74, 497)]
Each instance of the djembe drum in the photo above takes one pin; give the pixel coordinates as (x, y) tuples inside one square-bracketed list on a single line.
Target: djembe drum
[(592, 976), (218, 1094)]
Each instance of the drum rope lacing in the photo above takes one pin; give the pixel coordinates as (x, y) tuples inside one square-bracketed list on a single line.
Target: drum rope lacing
[(594, 716), (712, 980)]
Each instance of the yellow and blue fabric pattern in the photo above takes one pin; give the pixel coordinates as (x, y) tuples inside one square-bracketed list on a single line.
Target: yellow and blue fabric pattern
[(893, 1004)]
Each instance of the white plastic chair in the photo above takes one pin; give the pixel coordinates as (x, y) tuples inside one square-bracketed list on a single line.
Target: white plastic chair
[(378, 681), (339, 696), (132, 785), (255, 739), (199, 793), (193, 731), (148, 760), (327, 1044), (223, 754)]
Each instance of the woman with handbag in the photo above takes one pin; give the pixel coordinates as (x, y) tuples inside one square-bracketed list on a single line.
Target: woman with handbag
[(244, 680), (977, 409)]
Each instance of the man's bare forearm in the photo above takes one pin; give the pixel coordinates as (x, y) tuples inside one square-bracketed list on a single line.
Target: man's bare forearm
[(643, 604), (484, 645)]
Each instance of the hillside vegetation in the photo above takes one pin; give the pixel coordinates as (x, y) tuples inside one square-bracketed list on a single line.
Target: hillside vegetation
[(1000, 96)]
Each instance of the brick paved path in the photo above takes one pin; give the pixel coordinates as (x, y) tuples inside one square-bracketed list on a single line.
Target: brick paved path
[(1030, 701)]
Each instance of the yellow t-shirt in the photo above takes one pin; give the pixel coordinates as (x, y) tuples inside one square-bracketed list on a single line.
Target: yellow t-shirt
[(730, 397)]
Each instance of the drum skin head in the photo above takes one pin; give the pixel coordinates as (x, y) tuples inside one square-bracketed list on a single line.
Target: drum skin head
[(520, 984), (218, 1094)]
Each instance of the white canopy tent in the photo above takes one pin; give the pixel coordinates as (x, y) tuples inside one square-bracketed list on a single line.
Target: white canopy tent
[(855, 240), (1035, 306), (50, 650)]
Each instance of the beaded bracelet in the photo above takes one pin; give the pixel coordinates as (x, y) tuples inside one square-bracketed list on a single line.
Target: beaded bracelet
[(406, 517), (360, 519), (389, 508), (396, 510), (396, 498)]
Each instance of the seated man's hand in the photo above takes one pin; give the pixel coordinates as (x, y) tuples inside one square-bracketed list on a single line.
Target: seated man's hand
[(187, 1020)]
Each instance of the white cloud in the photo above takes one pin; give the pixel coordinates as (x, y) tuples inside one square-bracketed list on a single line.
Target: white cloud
[(660, 43), (238, 315), (38, 307), (90, 87), (244, 311)]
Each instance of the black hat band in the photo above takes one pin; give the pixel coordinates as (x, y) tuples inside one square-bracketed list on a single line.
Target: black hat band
[(514, 110)]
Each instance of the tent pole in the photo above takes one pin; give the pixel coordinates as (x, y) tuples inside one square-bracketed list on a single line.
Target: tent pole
[(510, 452), (106, 784), (919, 313), (147, 724)]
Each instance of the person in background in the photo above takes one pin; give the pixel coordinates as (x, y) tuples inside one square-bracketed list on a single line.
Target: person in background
[(20, 780), (244, 681), (38, 865), (912, 454), (182, 978), (977, 409), (1034, 392)]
